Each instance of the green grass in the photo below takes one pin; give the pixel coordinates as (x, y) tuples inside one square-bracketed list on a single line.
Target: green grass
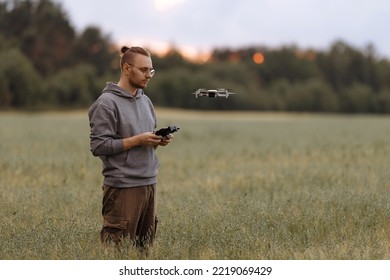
[(231, 186)]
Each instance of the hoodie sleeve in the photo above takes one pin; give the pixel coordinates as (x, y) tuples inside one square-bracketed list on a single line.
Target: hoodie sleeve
[(103, 140)]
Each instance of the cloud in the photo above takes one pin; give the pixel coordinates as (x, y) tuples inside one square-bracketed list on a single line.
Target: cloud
[(166, 5)]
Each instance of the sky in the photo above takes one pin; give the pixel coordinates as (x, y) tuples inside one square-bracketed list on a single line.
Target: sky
[(198, 26)]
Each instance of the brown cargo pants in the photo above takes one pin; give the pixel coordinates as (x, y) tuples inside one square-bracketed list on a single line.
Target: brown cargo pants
[(129, 213)]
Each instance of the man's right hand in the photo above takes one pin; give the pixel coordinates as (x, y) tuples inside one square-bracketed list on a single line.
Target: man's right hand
[(149, 139)]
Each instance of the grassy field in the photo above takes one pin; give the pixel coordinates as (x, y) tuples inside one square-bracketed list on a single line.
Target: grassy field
[(231, 186)]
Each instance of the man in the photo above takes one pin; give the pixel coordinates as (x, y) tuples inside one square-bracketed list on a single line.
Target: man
[(122, 122)]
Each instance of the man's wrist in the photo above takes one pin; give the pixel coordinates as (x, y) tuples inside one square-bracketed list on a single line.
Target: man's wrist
[(131, 142)]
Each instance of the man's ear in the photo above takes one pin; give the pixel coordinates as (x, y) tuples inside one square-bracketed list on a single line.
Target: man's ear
[(126, 69)]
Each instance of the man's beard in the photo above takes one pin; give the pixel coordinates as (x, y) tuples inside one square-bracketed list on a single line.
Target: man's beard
[(143, 84)]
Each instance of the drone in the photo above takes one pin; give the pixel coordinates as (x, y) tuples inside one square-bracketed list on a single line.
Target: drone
[(221, 92)]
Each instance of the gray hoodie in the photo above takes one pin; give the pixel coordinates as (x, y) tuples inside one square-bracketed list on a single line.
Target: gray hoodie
[(116, 115)]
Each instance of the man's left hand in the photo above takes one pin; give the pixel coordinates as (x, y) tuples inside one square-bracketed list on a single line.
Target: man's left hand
[(166, 140)]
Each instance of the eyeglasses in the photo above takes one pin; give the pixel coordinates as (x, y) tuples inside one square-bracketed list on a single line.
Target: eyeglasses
[(144, 70)]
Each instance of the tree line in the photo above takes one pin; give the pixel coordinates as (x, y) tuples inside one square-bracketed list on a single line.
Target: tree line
[(46, 64)]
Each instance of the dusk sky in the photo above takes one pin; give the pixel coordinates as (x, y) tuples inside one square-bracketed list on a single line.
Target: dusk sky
[(197, 26)]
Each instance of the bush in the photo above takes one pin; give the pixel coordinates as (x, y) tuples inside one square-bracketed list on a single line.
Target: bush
[(21, 86), (357, 98), (382, 102), (312, 95), (73, 87)]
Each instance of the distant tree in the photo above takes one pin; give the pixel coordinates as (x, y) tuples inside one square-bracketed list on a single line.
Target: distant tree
[(73, 87), (357, 98), (312, 95), (383, 70), (287, 63), (275, 96), (94, 48), (5, 95), (382, 102), (43, 31), (172, 88), (21, 84), (344, 65), (172, 59)]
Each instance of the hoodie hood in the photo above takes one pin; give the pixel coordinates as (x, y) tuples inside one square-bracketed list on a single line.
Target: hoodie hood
[(112, 87)]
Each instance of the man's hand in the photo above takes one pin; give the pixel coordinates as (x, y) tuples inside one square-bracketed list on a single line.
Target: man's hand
[(149, 139), (166, 140)]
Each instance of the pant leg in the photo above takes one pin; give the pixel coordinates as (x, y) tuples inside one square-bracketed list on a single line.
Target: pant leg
[(129, 213), (146, 229)]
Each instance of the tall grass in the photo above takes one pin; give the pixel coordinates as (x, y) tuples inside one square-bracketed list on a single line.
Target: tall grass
[(231, 186)]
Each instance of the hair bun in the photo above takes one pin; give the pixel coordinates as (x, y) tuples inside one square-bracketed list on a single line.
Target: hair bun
[(124, 49)]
